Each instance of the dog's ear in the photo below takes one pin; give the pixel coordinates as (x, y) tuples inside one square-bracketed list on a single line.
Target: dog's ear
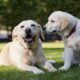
[(41, 31), (64, 22), (15, 33)]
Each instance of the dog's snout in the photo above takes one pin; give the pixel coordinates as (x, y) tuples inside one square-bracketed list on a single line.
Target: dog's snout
[(44, 28), (27, 30)]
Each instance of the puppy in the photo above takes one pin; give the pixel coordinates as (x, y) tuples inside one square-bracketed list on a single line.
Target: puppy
[(25, 52), (68, 27)]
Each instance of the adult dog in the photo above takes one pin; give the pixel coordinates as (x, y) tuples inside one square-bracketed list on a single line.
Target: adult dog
[(25, 52), (68, 27)]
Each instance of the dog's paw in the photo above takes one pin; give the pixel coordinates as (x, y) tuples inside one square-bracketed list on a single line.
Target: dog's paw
[(38, 71), (63, 68), (52, 69), (49, 67)]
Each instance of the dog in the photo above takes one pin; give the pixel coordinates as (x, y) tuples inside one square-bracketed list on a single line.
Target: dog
[(68, 27), (25, 51)]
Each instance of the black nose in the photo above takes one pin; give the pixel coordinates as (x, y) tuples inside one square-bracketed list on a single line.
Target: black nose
[(44, 28), (27, 30)]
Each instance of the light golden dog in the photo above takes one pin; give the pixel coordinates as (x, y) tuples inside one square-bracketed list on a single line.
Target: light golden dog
[(25, 52)]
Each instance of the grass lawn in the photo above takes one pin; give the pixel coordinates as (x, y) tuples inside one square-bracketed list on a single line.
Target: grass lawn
[(53, 51)]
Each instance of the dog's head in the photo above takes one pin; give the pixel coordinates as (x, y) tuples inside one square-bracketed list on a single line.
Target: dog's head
[(57, 21), (27, 31)]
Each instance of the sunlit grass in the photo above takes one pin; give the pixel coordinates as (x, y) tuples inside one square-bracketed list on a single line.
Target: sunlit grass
[(52, 45)]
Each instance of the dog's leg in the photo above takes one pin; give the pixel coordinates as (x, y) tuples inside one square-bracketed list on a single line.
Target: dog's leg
[(63, 56), (68, 58), (48, 66), (29, 68)]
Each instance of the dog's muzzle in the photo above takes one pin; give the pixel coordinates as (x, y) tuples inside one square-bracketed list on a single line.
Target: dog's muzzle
[(52, 32), (55, 31), (29, 38)]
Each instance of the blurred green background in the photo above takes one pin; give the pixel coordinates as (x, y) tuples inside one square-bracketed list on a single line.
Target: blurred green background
[(12, 12)]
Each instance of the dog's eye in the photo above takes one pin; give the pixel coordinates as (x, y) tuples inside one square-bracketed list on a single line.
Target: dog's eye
[(22, 26), (33, 25), (52, 21)]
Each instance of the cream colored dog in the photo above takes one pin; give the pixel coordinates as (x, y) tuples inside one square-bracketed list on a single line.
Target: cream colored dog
[(68, 27), (25, 52)]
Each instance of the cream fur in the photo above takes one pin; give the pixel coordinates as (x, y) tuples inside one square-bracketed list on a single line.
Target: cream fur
[(26, 56), (71, 53)]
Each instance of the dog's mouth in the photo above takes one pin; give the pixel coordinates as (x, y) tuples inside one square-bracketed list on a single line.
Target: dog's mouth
[(52, 32), (29, 39)]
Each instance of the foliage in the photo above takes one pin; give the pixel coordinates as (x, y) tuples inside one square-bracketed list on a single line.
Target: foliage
[(52, 51), (13, 12)]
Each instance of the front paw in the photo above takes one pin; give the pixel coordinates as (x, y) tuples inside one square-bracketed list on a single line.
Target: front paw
[(49, 67), (37, 71), (64, 68), (52, 69)]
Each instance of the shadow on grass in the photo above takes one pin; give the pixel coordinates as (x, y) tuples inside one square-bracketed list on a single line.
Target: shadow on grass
[(60, 64), (53, 48), (55, 52)]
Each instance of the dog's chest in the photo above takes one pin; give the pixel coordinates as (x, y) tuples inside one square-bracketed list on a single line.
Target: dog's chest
[(32, 56), (73, 43)]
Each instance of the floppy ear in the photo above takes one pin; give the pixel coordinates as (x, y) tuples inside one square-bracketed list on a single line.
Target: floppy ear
[(15, 33), (64, 22), (41, 31)]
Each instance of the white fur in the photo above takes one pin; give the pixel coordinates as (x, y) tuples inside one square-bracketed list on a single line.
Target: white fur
[(71, 53)]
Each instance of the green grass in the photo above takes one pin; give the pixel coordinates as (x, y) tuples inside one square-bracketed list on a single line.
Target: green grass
[(52, 51)]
